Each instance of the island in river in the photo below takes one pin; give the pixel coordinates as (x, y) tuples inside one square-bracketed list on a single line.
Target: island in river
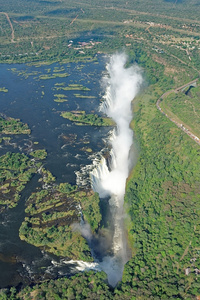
[(51, 204), (81, 118), (50, 211)]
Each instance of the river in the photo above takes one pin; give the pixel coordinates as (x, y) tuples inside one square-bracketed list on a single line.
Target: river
[(31, 99)]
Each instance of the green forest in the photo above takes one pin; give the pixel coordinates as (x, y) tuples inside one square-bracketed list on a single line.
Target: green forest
[(81, 118), (49, 218)]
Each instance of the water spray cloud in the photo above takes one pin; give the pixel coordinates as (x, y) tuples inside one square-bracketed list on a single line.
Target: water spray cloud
[(122, 85)]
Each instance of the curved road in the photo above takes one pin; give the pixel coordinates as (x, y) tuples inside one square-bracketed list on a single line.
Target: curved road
[(187, 131), (11, 26)]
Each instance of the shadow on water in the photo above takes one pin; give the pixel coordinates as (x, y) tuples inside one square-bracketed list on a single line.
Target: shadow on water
[(20, 262), (14, 253), (101, 243)]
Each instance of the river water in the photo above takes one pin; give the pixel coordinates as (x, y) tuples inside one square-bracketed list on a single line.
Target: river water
[(32, 101)]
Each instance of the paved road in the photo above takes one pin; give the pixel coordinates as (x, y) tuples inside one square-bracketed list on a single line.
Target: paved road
[(183, 128), (186, 85)]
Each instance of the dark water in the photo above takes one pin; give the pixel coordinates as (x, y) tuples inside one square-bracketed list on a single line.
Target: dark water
[(32, 101)]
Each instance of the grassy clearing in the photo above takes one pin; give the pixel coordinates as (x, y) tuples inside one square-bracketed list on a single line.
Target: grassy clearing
[(184, 108)]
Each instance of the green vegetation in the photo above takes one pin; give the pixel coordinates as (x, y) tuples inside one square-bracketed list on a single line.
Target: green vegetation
[(162, 197), (81, 118), (90, 285), (90, 208), (59, 240), (56, 31), (86, 149), (163, 201), (60, 98), (67, 188), (3, 89), (39, 154), (83, 96), (60, 84), (15, 171), (13, 126), (72, 87), (47, 177), (24, 73), (51, 212), (184, 108), (57, 75)]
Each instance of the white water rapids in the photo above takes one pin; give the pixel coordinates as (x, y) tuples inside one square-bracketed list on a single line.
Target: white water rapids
[(122, 85)]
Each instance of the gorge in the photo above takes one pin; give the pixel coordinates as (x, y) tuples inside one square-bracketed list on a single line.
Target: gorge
[(109, 179)]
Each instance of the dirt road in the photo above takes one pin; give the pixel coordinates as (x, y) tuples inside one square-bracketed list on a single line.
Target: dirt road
[(11, 26)]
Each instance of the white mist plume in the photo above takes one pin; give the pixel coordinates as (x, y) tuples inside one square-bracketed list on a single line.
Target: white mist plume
[(122, 85), (84, 229)]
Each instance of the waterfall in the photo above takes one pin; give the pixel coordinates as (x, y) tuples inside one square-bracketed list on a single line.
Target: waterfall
[(121, 86)]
